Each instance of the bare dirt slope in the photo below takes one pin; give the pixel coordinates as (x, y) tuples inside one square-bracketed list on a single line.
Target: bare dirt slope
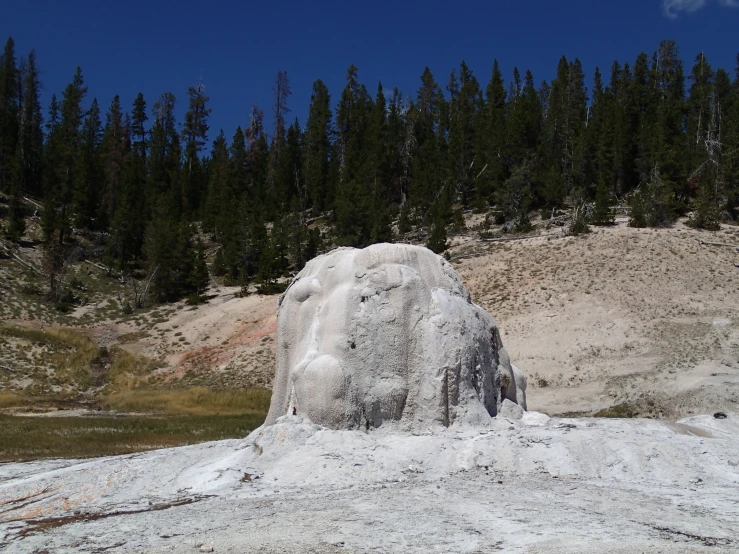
[(646, 317), (227, 342)]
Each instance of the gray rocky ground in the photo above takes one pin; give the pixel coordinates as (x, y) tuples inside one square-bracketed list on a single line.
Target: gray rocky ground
[(529, 485)]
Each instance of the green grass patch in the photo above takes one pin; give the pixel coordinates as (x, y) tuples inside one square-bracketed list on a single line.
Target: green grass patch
[(194, 401), (31, 438)]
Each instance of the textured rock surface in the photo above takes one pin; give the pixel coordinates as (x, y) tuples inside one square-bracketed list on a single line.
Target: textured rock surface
[(388, 334), (530, 485)]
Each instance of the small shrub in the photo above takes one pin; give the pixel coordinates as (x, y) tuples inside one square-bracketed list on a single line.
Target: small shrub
[(623, 410), (271, 287), (458, 223), (31, 289), (652, 205), (195, 299)]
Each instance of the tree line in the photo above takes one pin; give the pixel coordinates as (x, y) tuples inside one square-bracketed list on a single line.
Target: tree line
[(655, 136)]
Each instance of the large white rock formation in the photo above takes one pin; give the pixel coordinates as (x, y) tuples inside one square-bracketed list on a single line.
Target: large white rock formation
[(388, 334)]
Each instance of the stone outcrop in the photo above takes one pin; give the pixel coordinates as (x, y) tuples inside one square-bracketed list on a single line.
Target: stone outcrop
[(388, 335)]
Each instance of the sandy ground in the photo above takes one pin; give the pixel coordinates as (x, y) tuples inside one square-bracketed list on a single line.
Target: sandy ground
[(531, 485), (228, 342), (232, 340), (647, 317)]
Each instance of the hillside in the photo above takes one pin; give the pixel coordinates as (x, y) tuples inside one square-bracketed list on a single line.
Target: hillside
[(620, 321)]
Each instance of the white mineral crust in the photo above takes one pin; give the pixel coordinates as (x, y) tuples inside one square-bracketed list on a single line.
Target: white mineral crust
[(388, 335)]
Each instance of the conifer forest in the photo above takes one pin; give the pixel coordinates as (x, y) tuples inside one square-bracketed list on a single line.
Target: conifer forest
[(653, 135)]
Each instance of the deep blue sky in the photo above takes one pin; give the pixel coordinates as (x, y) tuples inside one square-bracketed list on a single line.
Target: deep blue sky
[(238, 47)]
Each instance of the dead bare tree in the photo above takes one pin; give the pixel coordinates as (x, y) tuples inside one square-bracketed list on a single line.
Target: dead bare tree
[(139, 300)]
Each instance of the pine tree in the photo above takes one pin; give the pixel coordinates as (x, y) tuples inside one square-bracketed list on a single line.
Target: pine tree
[(565, 125), (218, 198), (652, 205), (699, 109), (254, 240), (280, 110), (52, 265), (731, 143), (376, 170), (558, 135), (314, 244), (352, 214), (524, 126), (491, 138), (238, 172), (352, 119), (195, 136), (707, 214), (298, 232), (88, 173), (642, 115), (464, 104), (138, 127), (9, 102), (165, 155), (397, 133), (52, 157), (514, 199), (595, 136), (437, 239), (136, 179), (199, 276), (257, 158), (162, 236), (317, 146), (115, 158), (602, 211), (235, 191), (16, 220), (289, 182), (31, 137), (352, 205), (670, 144), (70, 136), (424, 147)]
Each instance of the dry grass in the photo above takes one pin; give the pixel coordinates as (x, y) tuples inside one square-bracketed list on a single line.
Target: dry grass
[(10, 400), (64, 357), (127, 371), (195, 401), (70, 353)]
